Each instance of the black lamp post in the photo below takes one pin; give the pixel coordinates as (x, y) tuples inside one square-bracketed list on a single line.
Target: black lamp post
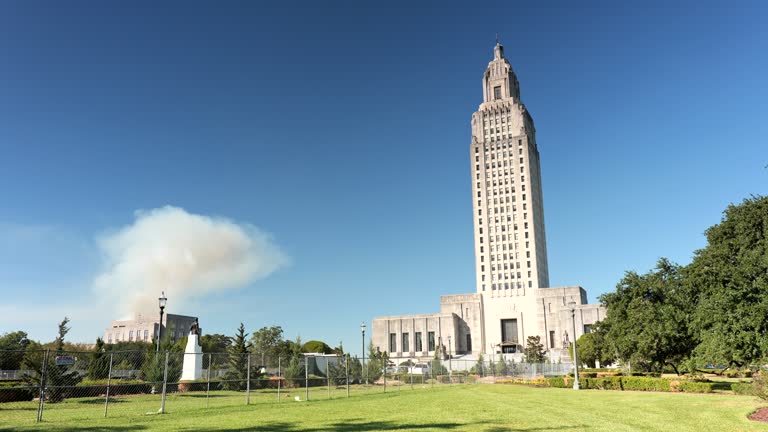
[(450, 365), (161, 302), (362, 330), (576, 384)]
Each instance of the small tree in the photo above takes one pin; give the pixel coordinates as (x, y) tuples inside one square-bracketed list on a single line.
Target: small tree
[(592, 349), (375, 365), (236, 377), (294, 370), (98, 368), (58, 377), (480, 365), (534, 350), (501, 368)]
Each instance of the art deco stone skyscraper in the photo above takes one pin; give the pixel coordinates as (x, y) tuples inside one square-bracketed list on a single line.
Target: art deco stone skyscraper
[(513, 300), (510, 241)]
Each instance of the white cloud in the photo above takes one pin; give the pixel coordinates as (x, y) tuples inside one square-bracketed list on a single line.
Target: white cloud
[(186, 255)]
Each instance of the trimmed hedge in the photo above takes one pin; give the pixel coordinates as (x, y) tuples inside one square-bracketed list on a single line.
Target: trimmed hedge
[(634, 383), (95, 388), (696, 387), (16, 391), (743, 389)]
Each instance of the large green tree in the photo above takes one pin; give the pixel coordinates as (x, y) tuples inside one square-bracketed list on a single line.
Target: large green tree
[(14, 344), (268, 343), (729, 280), (316, 346), (647, 324)]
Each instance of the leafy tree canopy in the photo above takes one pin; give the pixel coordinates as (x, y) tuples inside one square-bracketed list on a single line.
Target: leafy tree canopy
[(648, 318), (730, 279), (315, 346)]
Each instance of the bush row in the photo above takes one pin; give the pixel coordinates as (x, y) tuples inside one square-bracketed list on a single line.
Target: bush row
[(635, 383), (743, 389)]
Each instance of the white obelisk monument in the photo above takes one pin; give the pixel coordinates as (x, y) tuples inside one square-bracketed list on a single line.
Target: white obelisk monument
[(193, 356)]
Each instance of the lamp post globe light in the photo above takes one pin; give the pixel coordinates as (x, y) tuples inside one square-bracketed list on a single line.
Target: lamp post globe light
[(362, 330), (576, 384), (161, 302)]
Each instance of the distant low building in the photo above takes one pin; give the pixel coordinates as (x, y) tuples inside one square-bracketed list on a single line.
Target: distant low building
[(145, 329)]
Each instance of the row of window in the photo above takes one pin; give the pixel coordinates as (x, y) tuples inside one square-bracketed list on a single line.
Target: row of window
[(504, 247), (406, 342), (121, 336), (500, 146), (507, 285)]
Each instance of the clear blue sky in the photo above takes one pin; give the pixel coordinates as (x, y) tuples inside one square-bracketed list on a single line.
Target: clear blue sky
[(343, 130)]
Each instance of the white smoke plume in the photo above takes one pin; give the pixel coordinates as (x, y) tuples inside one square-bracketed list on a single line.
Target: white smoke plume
[(184, 254)]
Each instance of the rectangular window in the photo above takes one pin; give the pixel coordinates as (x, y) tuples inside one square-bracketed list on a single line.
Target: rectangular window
[(497, 92), (469, 343), (406, 342), (587, 328), (392, 342), (130, 335), (419, 346), (551, 338), (146, 335), (431, 341)]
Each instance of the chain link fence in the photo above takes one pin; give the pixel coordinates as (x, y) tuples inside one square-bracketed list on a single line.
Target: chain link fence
[(58, 386)]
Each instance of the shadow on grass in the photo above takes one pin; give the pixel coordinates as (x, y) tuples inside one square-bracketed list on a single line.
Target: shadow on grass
[(534, 429), (202, 396), (100, 401), (53, 428), (721, 386), (351, 426), (355, 426)]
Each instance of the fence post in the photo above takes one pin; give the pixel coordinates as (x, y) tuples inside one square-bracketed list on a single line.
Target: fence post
[(248, 385), (328, 377), (410, 375), (42, 387), (208, 381), (279, 378), (346, 366), (306, 378), (109, 381), (165, 382)]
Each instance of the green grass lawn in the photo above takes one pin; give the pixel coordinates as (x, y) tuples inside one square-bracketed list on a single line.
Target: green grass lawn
[(481, 407)]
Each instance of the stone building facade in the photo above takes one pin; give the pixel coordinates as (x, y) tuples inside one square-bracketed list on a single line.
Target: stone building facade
[(145, 329), (513, 299)]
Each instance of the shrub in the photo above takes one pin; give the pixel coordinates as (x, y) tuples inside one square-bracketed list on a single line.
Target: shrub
[(645, 384), (16, 391), (608, 383), (558, 382), (760, 384), (743, 389), (95, 388), (696, 387)]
